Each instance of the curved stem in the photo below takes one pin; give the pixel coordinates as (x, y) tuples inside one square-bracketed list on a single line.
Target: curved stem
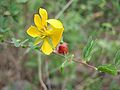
[(40, 71)]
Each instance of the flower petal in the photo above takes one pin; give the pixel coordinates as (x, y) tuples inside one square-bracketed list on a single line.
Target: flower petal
[(46, 47), (56, 36), (44, 16), (37, 21), (33, 31), (55, 23)]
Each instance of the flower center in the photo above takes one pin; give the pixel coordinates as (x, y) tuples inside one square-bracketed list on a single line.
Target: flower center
[(44, 32)]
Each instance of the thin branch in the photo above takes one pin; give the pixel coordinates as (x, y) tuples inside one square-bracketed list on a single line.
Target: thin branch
[(78, 61), (40, 71), (10, 42), (58, 68), (7, 42), (24, 54), (48, 79), (84, 63), (63, 9)]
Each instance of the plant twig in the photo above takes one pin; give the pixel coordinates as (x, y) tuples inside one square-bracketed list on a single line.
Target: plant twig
[(8, 42), (40, 71), (48, 79), (84, 63), (78, 61), (63, 9)]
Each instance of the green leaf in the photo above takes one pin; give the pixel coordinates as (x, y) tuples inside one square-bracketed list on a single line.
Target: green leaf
[(15, 18), (62, 68), (88, 50), (108, 68), (63, 65), (117, 58), (107, 25), (23, 42), (16, 42), (2, 30), (14, 9)]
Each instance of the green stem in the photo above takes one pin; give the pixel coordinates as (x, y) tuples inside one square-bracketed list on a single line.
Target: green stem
[(63, 9), (40, 71)]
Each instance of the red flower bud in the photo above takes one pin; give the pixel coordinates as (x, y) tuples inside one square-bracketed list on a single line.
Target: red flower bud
[(63, 48)]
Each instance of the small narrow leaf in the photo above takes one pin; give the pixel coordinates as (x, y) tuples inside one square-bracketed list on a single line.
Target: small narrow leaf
[(62, 68), (63, 65), (108, 68), (117, 58), (16, 42), (23, 42), (88, 50)]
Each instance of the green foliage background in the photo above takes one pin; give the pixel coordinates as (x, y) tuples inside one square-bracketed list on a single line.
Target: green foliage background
[(83, 18)]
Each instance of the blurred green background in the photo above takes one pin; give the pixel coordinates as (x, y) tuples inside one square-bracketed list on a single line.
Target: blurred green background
[(82, 19)]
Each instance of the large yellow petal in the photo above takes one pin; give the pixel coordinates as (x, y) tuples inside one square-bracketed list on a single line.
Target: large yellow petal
[(56, 36), (37, 21), (46, 47), (44, 16), (33, 31), (55, 23)]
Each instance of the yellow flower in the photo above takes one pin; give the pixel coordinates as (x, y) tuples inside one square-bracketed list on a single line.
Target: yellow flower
[(50, 35)]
